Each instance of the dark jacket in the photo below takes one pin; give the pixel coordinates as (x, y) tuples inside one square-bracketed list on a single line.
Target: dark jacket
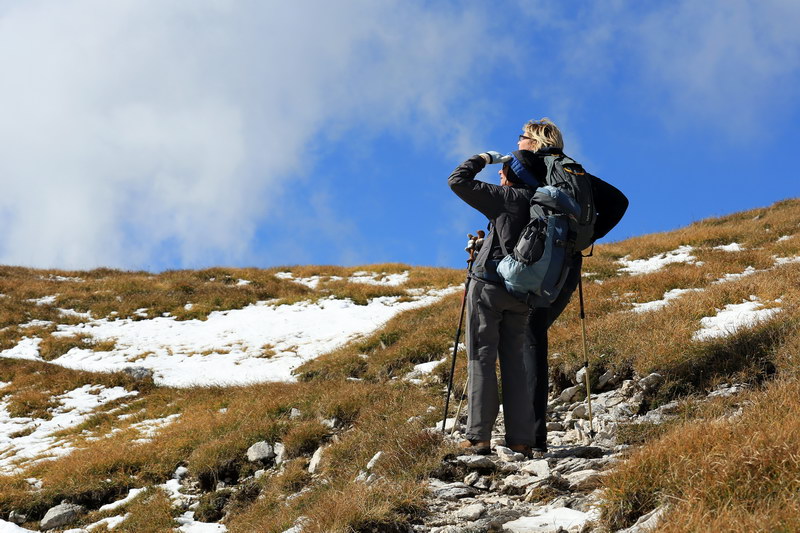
[(506, 207)]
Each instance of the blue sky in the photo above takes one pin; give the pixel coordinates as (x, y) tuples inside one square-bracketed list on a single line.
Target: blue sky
[(158, 135)]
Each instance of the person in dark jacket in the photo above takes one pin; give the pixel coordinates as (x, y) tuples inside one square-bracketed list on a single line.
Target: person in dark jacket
[(499, 325)]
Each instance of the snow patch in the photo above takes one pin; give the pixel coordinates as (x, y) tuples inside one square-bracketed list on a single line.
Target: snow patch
[(109, 523), (369, 278), (190, 525), (72, 312), (732, 247), (149, 428), (36, 323), (749, 271), (786, 260), (26, 349), (733, 318), (659, 304), (44, 300), (422, 370), (8, 527), (52, 277), (785, 238), (311, 282), (374, 278), (133, 493), (635, 267)]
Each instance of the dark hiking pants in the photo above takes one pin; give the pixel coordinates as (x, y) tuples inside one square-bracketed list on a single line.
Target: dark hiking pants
[(498, 327)]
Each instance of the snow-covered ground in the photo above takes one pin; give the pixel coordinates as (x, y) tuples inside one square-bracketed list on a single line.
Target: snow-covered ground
[(39, 443), (259, 343), (732, 247), (734, 317), (660, 304), (682, 254), (186, 522), (370, 278), (649, 265)]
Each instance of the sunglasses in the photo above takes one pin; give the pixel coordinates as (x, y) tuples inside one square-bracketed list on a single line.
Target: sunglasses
[(524, 137)]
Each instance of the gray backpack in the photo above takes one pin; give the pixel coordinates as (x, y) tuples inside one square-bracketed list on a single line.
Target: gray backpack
[(562, 219)]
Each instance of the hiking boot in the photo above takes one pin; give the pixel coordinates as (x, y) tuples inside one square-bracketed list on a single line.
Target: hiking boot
[(538, 451), (524, 449), (475, 447)]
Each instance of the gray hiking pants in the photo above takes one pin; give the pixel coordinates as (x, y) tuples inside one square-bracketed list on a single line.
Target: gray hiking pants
[(498, 326)]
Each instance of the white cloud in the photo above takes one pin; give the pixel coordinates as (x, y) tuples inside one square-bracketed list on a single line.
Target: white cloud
[(135, 129), (727, 65)]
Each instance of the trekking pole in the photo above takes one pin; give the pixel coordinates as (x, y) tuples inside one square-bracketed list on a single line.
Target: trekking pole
[(471, 249), (460, 402), (585, 355)]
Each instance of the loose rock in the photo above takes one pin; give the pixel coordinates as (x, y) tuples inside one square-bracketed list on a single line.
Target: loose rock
[(584, 452), (138, 373), (583, 479), (507, 454), (454, 491), (570, 394), (537, 467), (313, 466), (280, 453), (476, 462), (17, 518), (651, 381), (471, 512), (61, 515), (260, 451), (606, 380)]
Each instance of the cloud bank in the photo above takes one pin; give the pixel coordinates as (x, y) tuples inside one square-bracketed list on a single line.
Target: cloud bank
[(144, 133)]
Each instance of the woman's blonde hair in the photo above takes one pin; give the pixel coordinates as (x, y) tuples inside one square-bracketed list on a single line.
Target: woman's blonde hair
[(544, 133)]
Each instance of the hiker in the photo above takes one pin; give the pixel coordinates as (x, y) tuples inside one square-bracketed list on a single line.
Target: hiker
[(500, 324)]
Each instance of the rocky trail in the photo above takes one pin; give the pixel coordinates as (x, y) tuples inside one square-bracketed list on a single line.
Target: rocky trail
[(559, 492)]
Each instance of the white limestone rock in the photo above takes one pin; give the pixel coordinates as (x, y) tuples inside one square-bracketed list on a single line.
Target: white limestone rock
[(60, 515), (476, 462), (280, 453), (551, 521), (509, 455), (583, 479), (470, 513), (316, 459), (570, 394), (537, 467), (260, 451)]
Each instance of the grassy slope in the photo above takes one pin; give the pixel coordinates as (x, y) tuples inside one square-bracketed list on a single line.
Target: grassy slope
[(697, 465)]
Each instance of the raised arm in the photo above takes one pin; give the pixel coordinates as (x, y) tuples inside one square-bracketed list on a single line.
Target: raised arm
[(487, 198)]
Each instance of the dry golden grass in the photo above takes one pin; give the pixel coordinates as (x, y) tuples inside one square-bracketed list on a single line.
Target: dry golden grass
[(152, 512), (343, 504), (32, 404), (740, 473)]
